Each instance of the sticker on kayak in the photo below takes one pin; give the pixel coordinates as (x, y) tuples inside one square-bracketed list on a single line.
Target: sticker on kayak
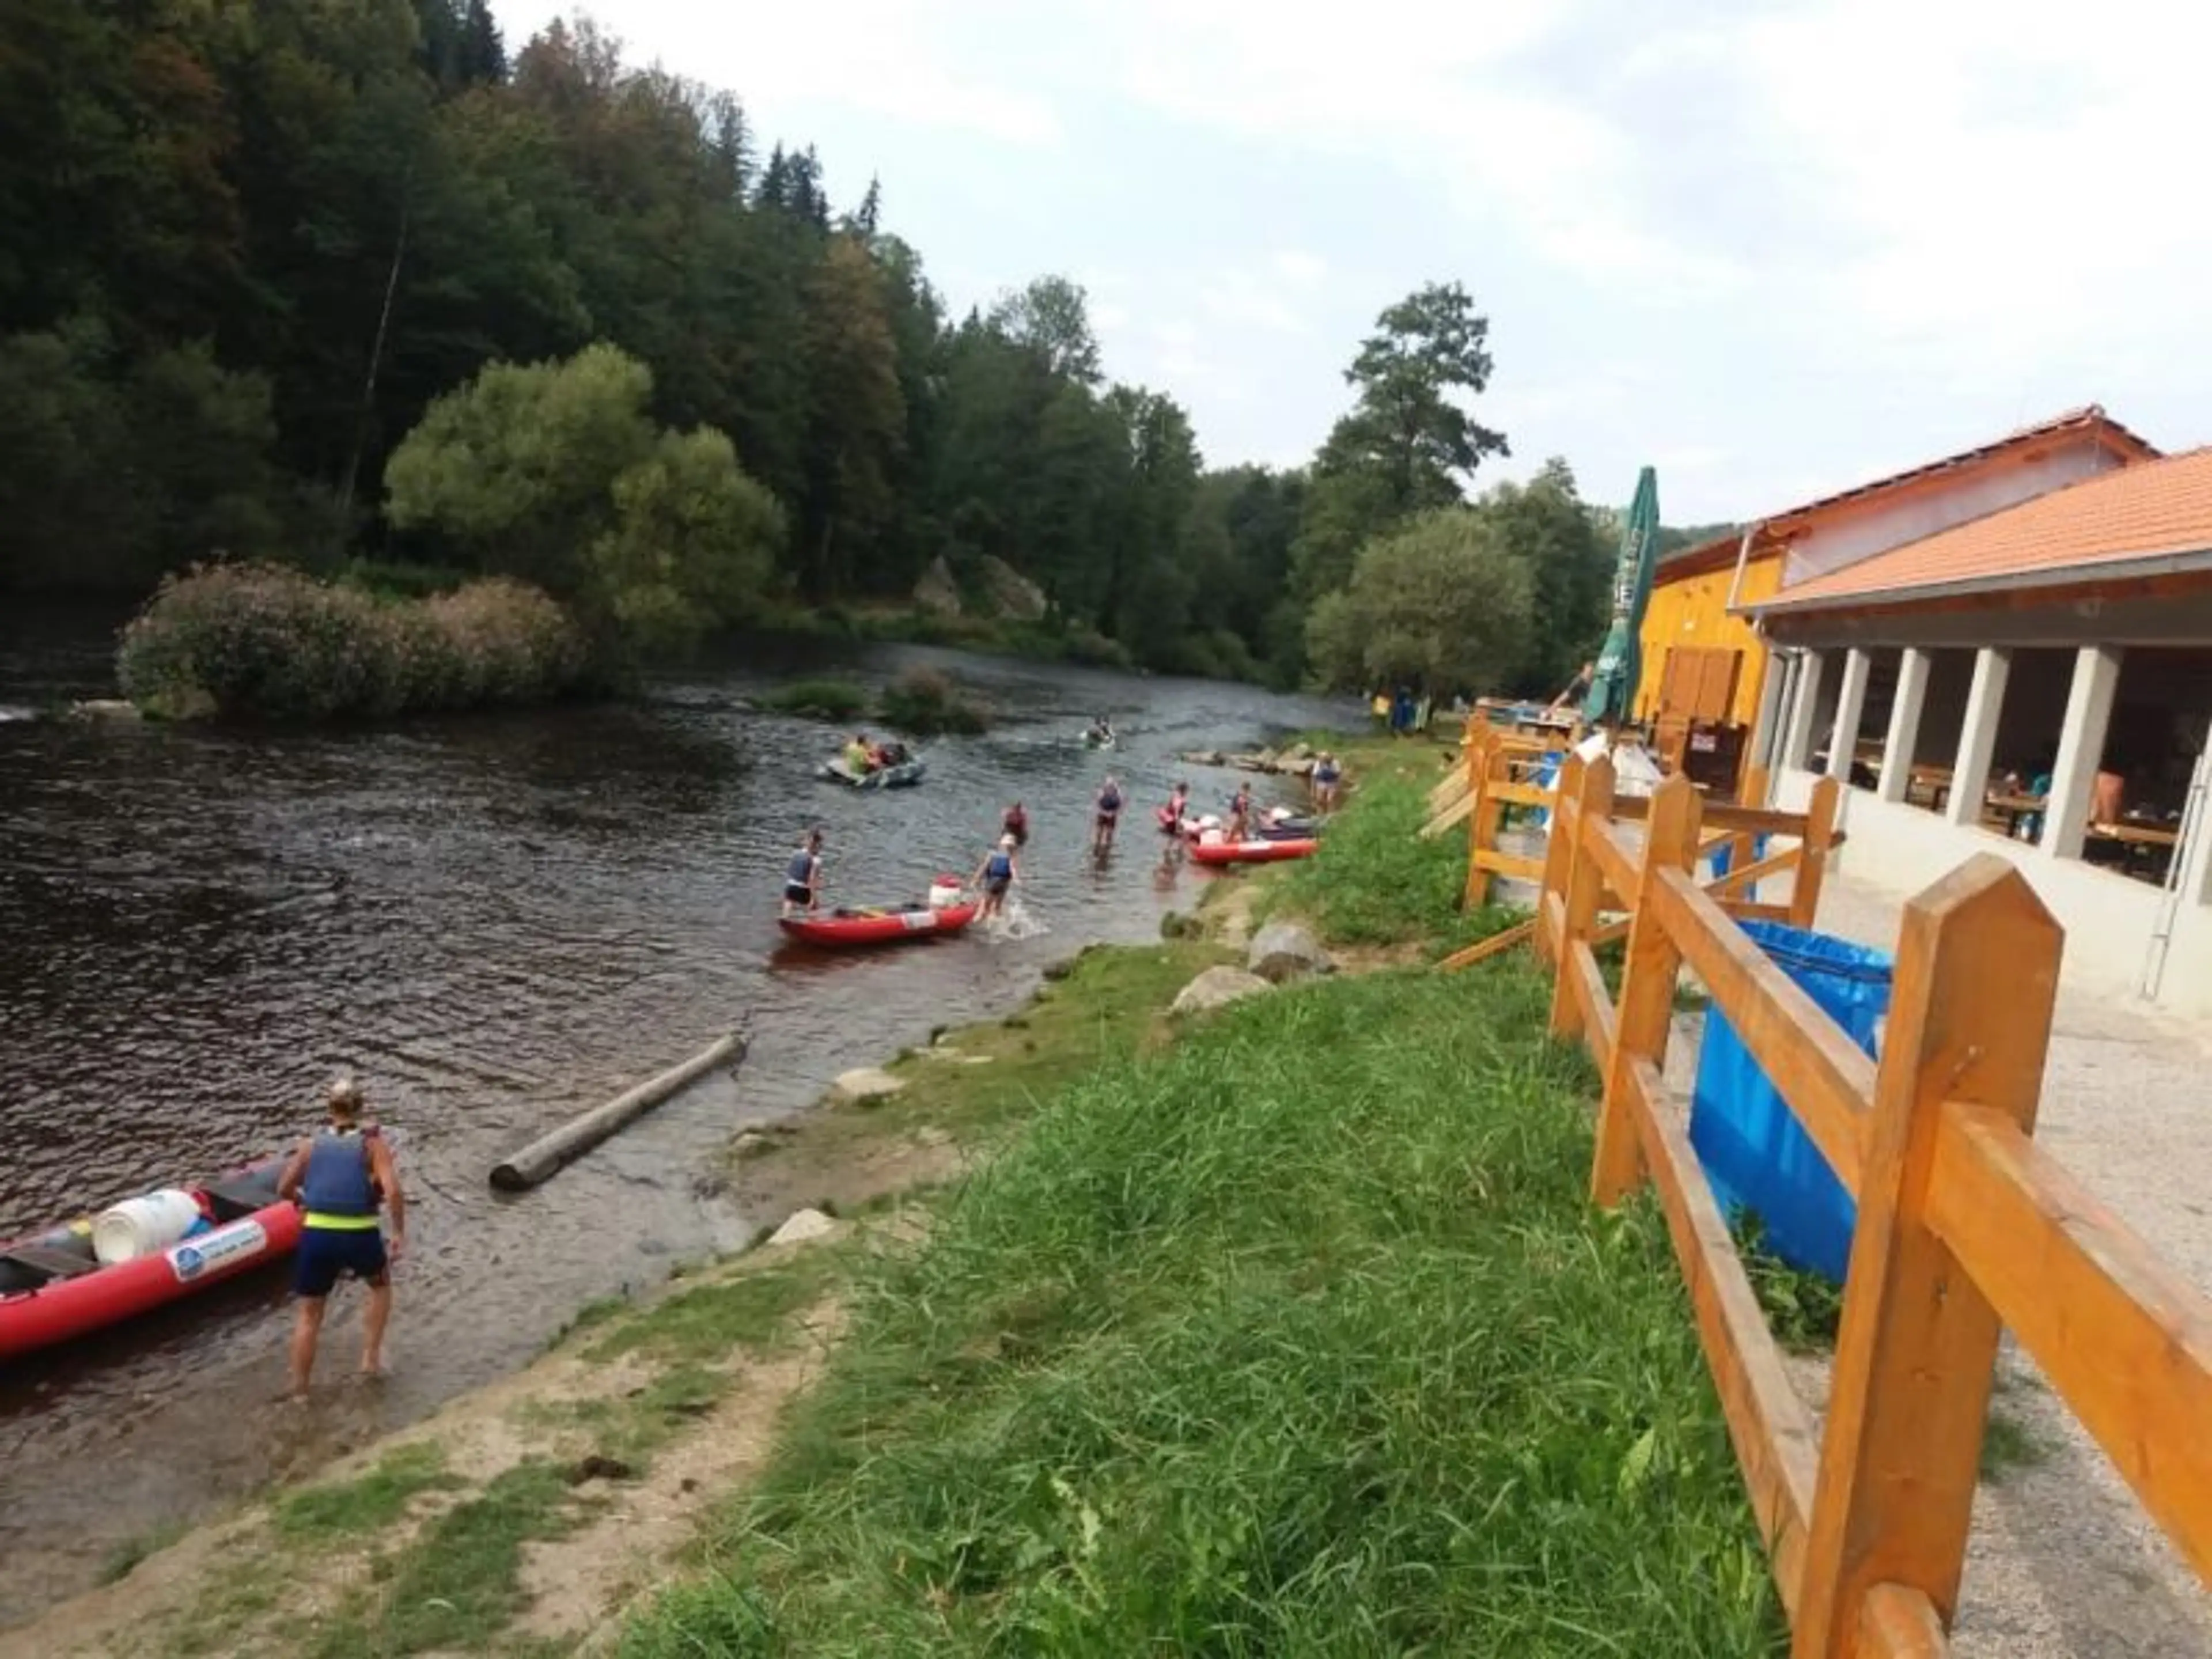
[(915, 920), (211, 1251)]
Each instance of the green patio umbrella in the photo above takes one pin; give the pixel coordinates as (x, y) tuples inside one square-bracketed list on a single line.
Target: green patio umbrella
[(1612, 684)]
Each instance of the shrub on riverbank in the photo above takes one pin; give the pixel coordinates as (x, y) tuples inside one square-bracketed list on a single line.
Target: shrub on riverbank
[(837, 701), (251, 639), (925, 701), (1302, 1337)]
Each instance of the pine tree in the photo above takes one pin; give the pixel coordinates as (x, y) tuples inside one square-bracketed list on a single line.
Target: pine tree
[(483, 54)]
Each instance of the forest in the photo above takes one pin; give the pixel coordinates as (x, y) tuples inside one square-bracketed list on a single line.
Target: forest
[(359, 287)]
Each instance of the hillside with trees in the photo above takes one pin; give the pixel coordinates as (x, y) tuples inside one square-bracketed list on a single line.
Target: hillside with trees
[(316, 285)]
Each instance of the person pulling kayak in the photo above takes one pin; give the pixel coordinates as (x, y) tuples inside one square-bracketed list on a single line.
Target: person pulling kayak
[(993, 877), (1016, 823), (1178, 808), (341, 1176), (802, 877), (1108, 815)]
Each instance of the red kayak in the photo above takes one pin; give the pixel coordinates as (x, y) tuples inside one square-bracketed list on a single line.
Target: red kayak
[(841, 929), (1253, 852), (53, 1287)]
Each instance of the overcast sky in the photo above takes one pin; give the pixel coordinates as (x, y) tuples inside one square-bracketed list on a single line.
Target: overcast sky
[(1771, 249)]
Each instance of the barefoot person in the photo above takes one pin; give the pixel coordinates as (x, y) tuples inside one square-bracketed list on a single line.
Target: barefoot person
[(1108, 815), (1324, 780), (994, 876), (340, 1176)]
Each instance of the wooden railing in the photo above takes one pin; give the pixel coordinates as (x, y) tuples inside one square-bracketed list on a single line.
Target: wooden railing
[(1810, 836), (1964, 1224)]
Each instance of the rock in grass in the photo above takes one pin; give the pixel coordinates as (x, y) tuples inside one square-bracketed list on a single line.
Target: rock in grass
[(1215, 988), (1283, 950), (804, 1227), (869, 1083)]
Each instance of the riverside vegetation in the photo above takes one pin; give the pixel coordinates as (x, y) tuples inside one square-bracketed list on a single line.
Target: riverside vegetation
[(363, 280)]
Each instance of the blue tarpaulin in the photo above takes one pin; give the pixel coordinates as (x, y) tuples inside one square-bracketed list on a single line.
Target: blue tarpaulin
[(1755, 1153)]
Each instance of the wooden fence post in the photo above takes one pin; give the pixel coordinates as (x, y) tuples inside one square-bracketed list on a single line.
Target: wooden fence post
[(1585, 889), (1970, 1021), (1481, 819), (1647, 989), (1813, 853), (1559, 855)]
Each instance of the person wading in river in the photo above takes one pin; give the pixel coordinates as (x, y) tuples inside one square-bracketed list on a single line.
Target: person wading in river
[(1108, 814), (994, 876), (802, 878), (340, 1176)]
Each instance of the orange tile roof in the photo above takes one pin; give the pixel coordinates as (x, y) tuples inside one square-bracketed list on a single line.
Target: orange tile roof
[(1772, 527), (2154, 511)]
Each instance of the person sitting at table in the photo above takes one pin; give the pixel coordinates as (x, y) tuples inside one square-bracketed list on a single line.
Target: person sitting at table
[(2107, 798)]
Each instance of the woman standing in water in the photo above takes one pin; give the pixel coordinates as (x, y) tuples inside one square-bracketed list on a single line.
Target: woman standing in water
[(1108, 814), (993, 877)]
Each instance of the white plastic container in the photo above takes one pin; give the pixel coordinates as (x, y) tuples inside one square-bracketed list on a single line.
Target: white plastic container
[(143, 1226), (944, 892)]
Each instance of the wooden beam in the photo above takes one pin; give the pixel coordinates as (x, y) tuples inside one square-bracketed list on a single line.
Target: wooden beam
[(1559, 855), (1775, 1441), (1496, 945), (1600, 1025), (1585, 884), (1970, 1019), (1898, 1622), (1453, 814), (2125, 1341), (1647, 992), (1826, 1078)]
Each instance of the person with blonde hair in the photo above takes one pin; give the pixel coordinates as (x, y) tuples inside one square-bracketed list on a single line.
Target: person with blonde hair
[(341, 1176)]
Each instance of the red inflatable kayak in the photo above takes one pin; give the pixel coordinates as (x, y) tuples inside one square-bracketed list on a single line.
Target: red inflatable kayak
[(1253, 852), (842, 928), (53, 1288)]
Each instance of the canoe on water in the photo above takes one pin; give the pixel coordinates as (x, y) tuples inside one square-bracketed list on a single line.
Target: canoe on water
[(890, 925), (53, 1287), (904, 776), (1253, 852)]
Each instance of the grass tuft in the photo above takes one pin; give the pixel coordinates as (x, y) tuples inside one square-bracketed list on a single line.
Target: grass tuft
[(837, 701), (353, 1509)]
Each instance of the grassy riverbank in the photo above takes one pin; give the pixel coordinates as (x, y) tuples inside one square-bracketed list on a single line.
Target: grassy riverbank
[(1284, 1330)]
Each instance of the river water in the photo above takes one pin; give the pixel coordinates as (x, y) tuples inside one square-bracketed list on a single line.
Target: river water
[(495, 922)]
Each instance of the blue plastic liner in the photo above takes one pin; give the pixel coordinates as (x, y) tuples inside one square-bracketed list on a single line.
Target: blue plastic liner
[(1720, 860), (1755, 1153)]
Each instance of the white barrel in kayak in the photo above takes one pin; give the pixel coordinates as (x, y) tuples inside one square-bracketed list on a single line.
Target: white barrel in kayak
[(141, 1225), (944, 892)]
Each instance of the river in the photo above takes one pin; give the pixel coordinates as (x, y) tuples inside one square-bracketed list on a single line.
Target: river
[(494, 921)]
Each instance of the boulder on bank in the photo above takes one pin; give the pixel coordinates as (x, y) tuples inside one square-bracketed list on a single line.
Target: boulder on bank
[(1216, 988), (1011, 594), (805, 1226), (936, 593), (869, 1083), (1283, 951), (104, 708)]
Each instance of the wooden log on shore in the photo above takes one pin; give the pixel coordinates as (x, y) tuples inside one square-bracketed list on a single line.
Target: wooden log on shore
[(550, 1153)]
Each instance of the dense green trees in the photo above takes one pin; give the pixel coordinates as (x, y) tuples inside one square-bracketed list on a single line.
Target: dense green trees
[(249, 246)]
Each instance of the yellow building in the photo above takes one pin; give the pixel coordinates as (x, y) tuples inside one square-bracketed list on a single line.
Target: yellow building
[(1700, 661)]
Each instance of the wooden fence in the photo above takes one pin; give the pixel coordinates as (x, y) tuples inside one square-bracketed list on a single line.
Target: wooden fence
[(1964, 1224), (1492, 784)]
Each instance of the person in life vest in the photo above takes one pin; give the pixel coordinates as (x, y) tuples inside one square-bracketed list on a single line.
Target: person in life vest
[(1108, 815), (1016, 823), (341, 1176), (802, 877), (1326, 776), (995, 876), (1240, 812), (1176, 809), (860, 757)]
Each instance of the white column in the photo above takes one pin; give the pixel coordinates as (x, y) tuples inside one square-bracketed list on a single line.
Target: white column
[(1850, 706), (1977, 737), (2081, 749), (1797, 740), (1913, 670), (1763, 724)]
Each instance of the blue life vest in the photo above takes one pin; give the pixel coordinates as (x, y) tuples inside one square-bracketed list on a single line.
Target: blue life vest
[(1110, 801), (802, 872), (338, 1180), (1000, 868)]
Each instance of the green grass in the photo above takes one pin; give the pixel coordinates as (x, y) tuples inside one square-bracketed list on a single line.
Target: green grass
[(1375, 882), (2008, 1444), (348, 1509), (837, 701), (749, 1310), (1298, 1337), (125, 1558), (458, 1584), (1804, 1310)]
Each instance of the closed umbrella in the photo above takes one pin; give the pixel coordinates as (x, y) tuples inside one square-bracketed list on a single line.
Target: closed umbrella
[(1612, 685)]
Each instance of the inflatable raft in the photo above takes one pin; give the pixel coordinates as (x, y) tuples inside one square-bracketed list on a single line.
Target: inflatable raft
[(891, 925), (904, 776), (55, 1286), (1259, 851)]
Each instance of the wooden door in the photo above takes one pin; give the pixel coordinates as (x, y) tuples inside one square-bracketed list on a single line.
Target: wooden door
[(1700, 684)]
